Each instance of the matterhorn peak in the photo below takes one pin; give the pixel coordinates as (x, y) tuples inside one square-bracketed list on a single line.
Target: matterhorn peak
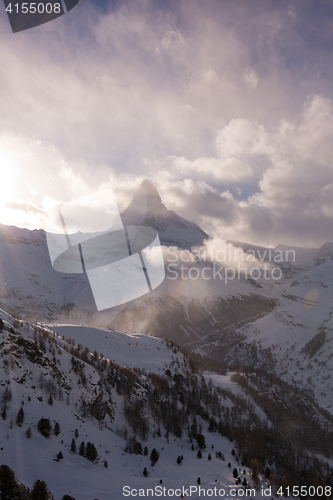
[(146, 209), (146, 197)]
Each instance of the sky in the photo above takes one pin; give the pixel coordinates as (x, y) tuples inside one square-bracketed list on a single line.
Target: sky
[(226, 106)]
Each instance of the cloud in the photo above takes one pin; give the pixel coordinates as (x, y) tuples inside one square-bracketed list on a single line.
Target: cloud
[(291, 165), (197, 200), (228, 169), (172, 39), (250, 78), (221, 251), (228, 110), (125, 89), (34, 172), (242, 138), (296, 187), (236, 144), (24, 207)]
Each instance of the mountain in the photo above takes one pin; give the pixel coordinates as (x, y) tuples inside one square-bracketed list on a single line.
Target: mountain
[(297, 336), (269, 340), (324, 254), (236, 320), (142, 394), (29, 285), (50, 374), (147, 209)]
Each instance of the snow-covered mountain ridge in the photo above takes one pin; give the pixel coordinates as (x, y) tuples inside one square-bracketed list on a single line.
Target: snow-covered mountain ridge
[(147, 209), (299, 333), (49, 374), (241, 322)]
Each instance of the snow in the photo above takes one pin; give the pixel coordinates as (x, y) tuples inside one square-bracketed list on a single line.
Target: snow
[(304, 310), (225, 382), (132, 350), (33, 290), (33, 458)]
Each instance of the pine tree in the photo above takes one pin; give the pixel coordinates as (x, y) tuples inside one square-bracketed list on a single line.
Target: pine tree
[(82, 449), (28, 432), (212, 425), (40, 491), (1, 325), (8, 483), (4, 413), (67, 497), (201, 441), (7, 395), (44, 427), (60, 455), (199, 454), (145, 451), (22, 492), (88, 451), (194, 428), (50, 400), (154, 457), (209, 456), (20, 417), (137, 448), (76, 433), (73, 446), (56, 429), (179, 460), (145, 472), (91, 452)]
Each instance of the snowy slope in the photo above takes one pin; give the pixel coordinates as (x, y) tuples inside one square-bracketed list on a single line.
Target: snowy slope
[(132, 350), (28, 283), (299, 333), (29, 379), (214, 316)]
